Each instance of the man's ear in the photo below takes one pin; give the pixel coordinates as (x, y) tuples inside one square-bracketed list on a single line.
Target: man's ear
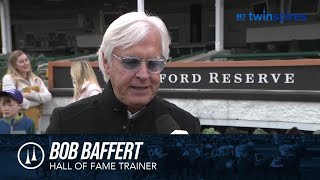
[(105, 64)]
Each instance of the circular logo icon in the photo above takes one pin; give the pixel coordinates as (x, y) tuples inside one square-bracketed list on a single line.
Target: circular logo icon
[(30, 155)]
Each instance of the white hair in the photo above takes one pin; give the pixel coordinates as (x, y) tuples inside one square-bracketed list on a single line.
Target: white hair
[(128, 30)]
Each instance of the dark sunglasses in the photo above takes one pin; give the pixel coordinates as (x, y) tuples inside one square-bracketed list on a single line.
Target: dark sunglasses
[(133, 63)]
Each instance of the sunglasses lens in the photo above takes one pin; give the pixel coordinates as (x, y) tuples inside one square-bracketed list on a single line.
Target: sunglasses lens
[(155, 65), (133, 64), (130, 63)]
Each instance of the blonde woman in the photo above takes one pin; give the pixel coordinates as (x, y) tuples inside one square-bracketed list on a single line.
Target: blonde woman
[(20, 76), (84, 80)]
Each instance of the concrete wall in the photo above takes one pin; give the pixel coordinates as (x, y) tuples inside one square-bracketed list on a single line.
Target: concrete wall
[(242, 113)]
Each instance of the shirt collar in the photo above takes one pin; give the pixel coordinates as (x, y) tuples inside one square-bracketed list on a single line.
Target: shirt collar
[(15, 120)]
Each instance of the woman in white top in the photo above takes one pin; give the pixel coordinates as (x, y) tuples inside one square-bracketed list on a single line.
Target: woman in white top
[(20, 76), (84, 80)]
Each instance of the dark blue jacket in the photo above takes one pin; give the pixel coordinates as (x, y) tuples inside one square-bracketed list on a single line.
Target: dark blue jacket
[(20, 125)]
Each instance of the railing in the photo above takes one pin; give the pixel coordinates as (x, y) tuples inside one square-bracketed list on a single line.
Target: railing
[(178, 51), (187, 56)]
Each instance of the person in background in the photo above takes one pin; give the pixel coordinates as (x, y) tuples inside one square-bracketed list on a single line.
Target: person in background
[(84, 81), (316, 132), (1, 115), (20, 76), (133, 52), (294, 131), (0, 106), (13, 122)]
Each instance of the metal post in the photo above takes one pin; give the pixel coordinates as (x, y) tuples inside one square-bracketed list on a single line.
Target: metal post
[(5, 27), (8, 26), (219, 25), (140, 5)]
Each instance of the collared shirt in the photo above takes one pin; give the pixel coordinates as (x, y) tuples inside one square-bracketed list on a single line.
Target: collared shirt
[(134, 115)]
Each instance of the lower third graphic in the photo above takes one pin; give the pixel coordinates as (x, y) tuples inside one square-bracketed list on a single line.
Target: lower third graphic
[(30, 155)]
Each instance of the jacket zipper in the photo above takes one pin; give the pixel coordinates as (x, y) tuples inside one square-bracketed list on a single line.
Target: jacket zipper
[(11, 126)]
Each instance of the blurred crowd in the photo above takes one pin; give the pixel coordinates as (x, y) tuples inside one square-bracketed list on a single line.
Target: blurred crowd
[(230, 157), (245, 130)]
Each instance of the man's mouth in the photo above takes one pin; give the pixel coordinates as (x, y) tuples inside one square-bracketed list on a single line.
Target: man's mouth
[(139, 87)]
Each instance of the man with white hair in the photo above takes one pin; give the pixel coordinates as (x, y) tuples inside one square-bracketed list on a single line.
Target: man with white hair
[(133, 52)]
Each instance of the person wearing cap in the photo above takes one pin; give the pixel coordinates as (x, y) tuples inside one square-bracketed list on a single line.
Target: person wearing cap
[(13, 122), (133, 52), (20, 76)]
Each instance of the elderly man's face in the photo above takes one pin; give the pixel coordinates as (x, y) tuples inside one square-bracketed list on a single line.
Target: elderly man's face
[(136, 88)]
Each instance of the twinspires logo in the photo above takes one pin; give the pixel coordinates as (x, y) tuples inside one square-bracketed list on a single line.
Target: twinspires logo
[(268, 17), (30, 155)]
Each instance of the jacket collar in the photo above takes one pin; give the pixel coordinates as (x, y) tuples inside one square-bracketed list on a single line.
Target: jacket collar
[(116, 104), (15, 120)]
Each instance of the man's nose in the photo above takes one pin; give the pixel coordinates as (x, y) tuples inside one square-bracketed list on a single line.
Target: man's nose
[(143, 72)]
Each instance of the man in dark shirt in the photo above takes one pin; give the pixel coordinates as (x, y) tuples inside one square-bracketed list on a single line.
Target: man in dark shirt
[(133, 52)]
